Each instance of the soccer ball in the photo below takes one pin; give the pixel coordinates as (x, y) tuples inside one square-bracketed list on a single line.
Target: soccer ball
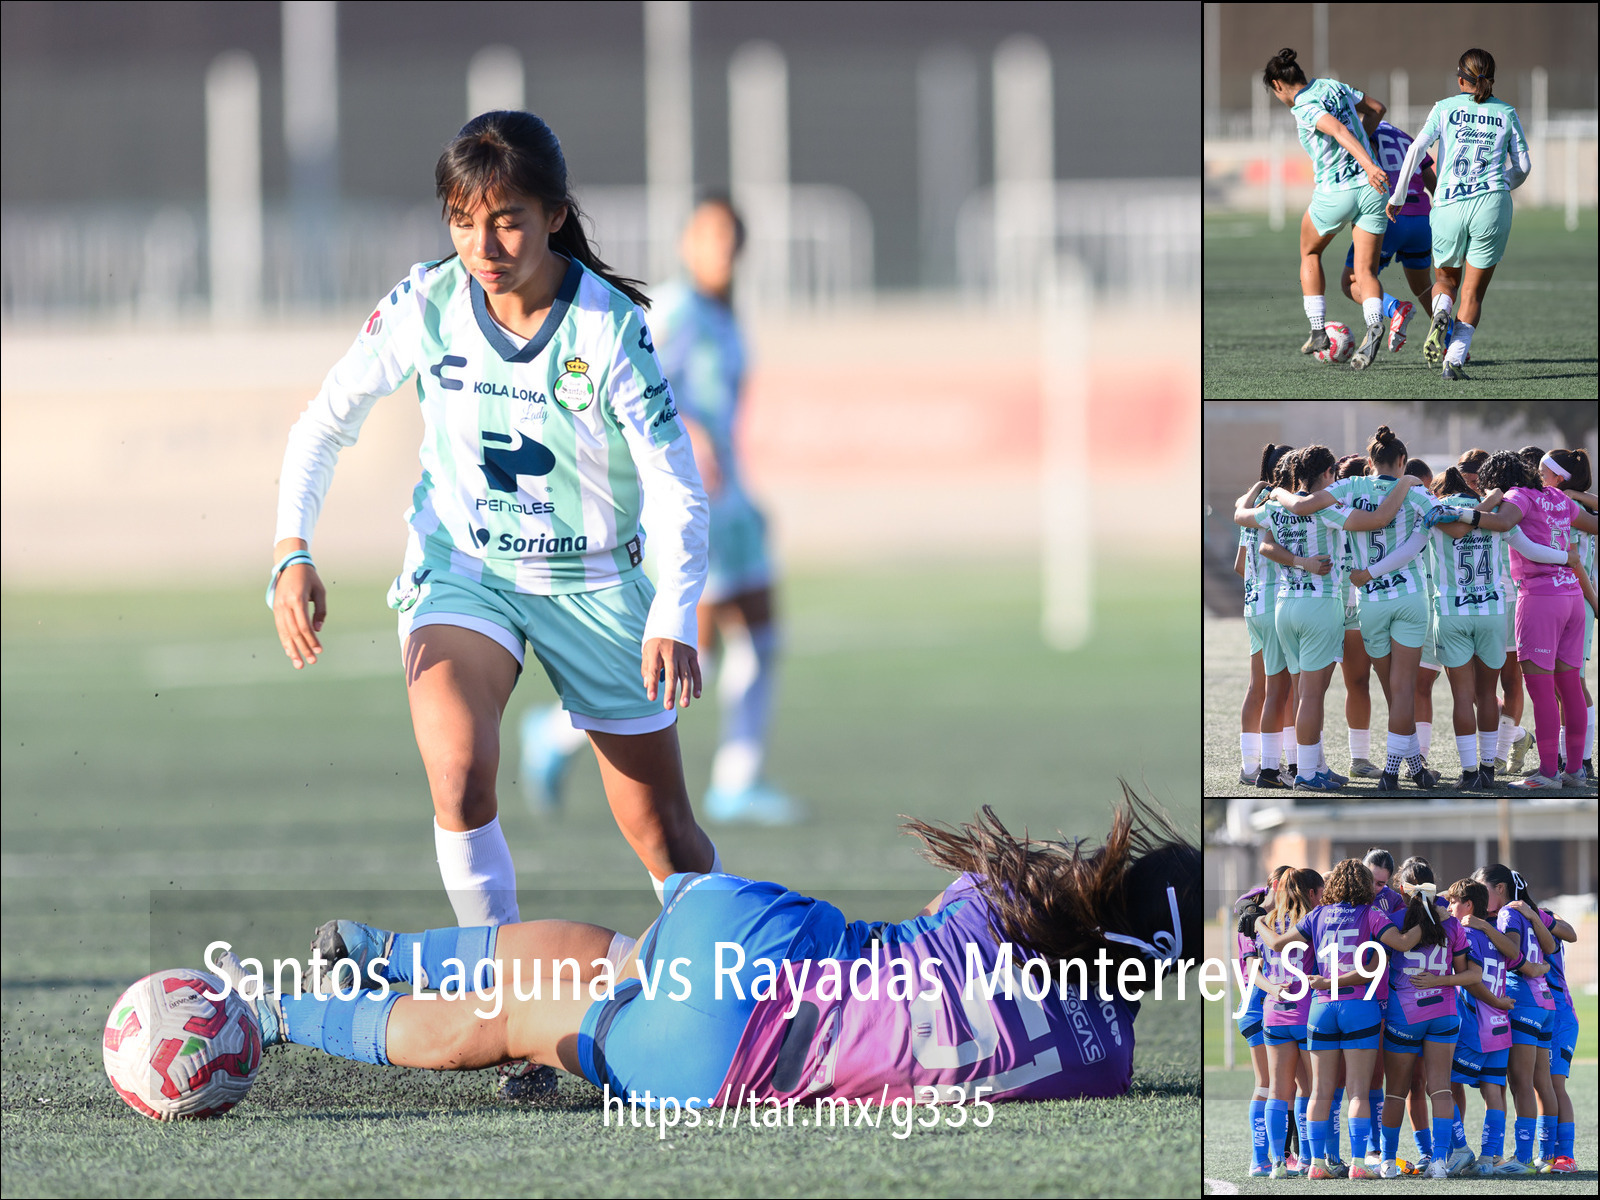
[(1341, 345), (173, 1054)]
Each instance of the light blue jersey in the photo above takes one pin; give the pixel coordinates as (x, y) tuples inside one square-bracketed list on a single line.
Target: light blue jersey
[(1474, 140), (1335, 168)]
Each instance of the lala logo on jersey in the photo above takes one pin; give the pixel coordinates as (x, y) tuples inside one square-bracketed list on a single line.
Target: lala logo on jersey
[(573, 387)]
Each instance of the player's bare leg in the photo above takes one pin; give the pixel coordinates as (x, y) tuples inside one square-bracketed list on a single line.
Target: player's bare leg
[(1367, 247), (1313, 283), (1474, 285), (643, 778)]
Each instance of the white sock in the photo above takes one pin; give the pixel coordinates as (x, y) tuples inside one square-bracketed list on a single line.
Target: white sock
[(478, 874), (1467, 747), (1424, 737), (1249, 752), (1460, 343), (1316, 310), (1441, 304), (1507, 735), (1372, 310), (1322, 756), (1306, 760), (1269, 750), (1361, 743), (660, 885), (1488, 742), (1288, 743), (744, 691)]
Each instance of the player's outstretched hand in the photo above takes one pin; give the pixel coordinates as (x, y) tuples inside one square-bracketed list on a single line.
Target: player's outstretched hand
[(1391, 211), (673, 665), (299, 587)]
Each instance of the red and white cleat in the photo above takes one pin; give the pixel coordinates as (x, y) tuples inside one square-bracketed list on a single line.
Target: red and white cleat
[(1403, 312)]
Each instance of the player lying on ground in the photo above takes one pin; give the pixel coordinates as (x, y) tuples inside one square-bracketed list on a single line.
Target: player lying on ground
[(1137, 898)]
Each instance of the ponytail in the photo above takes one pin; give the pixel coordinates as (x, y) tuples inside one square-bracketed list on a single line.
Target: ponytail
[(1451, 483), (1576, 464), (1477, 68), (1385, 447)]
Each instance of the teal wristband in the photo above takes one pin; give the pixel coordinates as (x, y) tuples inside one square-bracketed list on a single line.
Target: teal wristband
[(287, 561)]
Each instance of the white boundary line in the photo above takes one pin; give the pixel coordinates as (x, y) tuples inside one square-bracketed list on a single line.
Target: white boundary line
[(1221, 1187)]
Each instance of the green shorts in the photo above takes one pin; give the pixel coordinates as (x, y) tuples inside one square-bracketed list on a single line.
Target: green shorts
[(1361, 206), (738, 561), (1312, 632), (1403, 619), (1352, 617), (1463, 638), (1430, 647), (1475, 230), (1588, 633), (589, 643), (1264, 641)]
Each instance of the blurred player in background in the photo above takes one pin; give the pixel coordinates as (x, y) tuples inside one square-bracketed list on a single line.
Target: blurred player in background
[(703, 358), (1580, 490), (1331, 117), (1472, 202), (1407, 237)]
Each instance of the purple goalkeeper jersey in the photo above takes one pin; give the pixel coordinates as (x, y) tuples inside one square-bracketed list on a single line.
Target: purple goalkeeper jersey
[(1484, 1028), (1419, 1004), (1345, 927), (899, 1044)]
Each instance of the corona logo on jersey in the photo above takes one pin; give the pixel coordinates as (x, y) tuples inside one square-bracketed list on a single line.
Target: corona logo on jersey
[(573, 387)]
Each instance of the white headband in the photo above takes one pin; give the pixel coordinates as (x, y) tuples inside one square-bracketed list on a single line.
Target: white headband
[(1167, 946), (1517, 879), (1554, 466)]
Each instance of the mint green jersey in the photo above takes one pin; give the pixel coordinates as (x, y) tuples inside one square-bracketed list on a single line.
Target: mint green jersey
[(1260, 572), (1335, 168), (1466, 571), (1368, 492), (1474, 140), (1307, 537)]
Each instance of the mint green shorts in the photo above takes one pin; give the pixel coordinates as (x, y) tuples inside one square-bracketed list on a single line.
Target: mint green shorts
[(1463, 638), (1352, 617), (1403, 619), (1264, 641), (1360, 206), (1311, 630), (589, 643), (1476, 230), (1430, 647)]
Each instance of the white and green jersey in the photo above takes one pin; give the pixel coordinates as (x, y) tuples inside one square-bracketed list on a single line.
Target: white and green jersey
[(543, 460), (1585, 542), (1368, 492), (1260, 572), (1466, 570), (1335, 168), (1306, 537), (1474, 140)]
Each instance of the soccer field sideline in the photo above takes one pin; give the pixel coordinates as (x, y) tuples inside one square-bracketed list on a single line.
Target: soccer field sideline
[(1227, 676)]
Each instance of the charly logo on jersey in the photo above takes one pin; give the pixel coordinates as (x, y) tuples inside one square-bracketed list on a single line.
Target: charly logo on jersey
[(573, 388), (437, 371)]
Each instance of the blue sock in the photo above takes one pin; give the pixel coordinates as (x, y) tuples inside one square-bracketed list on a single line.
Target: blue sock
[(357, 1028), (1424, 1142), (1277, 1128), (1302, 1106), (1524, 1131), (1566, 1135), (1441, 1135), (1333, 1125), (1458, 1132), (1391, 1142), (1547, 1136), (1375, 1103), (1258, 1130), (1494, 1132), (1389, 303), (1319, 1139), (1360, 1135), (473, 945)]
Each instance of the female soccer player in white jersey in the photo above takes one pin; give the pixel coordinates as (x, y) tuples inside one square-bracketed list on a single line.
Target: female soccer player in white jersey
[(702, 353), (1394, 607), (1310, 606), (774, 1032), (1472, 204), (551, 443), (1331, 120)]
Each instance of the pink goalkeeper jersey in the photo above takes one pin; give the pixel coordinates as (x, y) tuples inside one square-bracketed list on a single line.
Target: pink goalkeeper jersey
[(1547, 519), (1420, 1004), (1063, 1047)]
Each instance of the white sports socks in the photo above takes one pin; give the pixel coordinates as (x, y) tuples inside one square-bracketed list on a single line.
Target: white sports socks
[(1306, 760), (1361, 743), (1441, 304), (1270, 750), (478, 874), (1424, 737), (744, 691), (1460, 343), (1372, 310), (1467, 747), (1488, 743), (1249, 752), (1316, 310)]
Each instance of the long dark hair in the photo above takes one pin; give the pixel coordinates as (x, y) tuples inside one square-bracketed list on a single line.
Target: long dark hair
[(1059, 900), (1516, 886), (1270, 454), (1575, 463), (1504, 469), (1281, 67), (1420, 909), (1310, 462), (1379, 857), (1477, 68), (1293, 900), (505, 152), (1451, 483), (1386, 447)]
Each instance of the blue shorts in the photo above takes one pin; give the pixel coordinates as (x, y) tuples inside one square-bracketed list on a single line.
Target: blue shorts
[(1532, 1025), (1407, 1039), (1278, 1035), (1344, 1025), (681, 1049), (1476, 1068), (1409, 237), (1563, 1040), (1251, 1028)]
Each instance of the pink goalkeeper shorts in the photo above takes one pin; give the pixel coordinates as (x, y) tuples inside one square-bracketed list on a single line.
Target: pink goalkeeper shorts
[(1550, 629)]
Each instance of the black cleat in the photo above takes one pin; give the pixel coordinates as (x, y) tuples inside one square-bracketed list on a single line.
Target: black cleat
[(1471, 781), (1267, 778), (1486, 779), (1425, 779), (526, 1083), (1389, 781)]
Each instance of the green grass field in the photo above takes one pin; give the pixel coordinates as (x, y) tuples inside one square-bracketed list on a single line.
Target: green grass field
[(161, 756), (1536, 337), (1227, 677)]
